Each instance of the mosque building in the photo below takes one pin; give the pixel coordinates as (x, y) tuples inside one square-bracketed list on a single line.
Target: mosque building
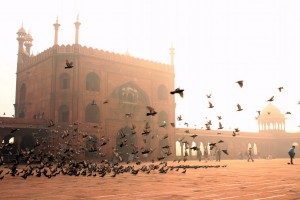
[(91, 96), (102, 95)]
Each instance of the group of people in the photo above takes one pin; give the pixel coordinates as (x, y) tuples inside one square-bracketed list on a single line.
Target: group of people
[(217, 154)]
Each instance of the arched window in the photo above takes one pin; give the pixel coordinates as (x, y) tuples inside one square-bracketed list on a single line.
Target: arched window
[(63, 114), (178, 148), (162, 118), (92, 113), (92, 82), (64, 81), (162, 92), (22, 92)]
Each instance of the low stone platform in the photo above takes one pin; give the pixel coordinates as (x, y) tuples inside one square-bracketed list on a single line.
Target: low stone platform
[(237, 179)]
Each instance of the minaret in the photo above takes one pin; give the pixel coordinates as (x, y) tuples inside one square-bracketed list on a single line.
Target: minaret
[(56, 26), (172, 53), (28, 43), (77, 24), (21, 38)]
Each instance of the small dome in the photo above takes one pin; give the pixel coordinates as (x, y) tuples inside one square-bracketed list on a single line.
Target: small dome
[(270, 109), (28, 37), (21, 31)]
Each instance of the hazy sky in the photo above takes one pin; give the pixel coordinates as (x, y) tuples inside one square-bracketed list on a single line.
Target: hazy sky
[(217, 42)]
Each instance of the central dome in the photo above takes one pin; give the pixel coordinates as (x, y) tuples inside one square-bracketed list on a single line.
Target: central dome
[(270, 109)]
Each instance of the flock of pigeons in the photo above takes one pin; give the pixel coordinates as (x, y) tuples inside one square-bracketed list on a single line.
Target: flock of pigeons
[(49, 160)]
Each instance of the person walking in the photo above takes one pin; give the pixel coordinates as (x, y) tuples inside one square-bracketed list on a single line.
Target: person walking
[(292, 154), (250, 157)]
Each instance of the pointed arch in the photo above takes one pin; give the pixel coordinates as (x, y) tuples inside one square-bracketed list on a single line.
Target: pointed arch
[(178, 148), (194, 152)]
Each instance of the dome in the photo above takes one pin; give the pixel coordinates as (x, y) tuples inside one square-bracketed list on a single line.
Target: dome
[(28, 37), (270, 109), (21, 31)]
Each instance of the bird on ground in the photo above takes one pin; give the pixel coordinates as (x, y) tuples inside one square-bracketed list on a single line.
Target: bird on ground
[(151, 112), (241, 83), (271, 99), (69, 65), (172, 124), (220, 141), (178, 91), (239, 108)]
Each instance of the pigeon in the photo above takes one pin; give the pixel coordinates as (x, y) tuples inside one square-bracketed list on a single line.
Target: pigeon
[(151, 112), (225, 151), (271, 99), (241, 83), (208, 96), (220, 126), (193, 136), (69, 65), (280, 89), (210, 105), (288, 113), (106, 101), (239, 108), (179, 118), (179, 91)]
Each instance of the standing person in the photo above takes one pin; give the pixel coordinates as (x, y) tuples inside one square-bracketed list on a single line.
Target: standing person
[(292, 154), (199, 154), (250, 154), (218, 154), (205, 153)]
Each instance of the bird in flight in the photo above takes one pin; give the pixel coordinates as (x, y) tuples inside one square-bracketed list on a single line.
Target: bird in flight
[(271, 99), (179, 91), (220, 126), (241, 83), (151, 112), (280, 89), (69, 64), (208, 96), (210, 105), (239, 108)]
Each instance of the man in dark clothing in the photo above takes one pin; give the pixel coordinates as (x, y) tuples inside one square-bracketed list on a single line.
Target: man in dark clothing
[(292, 154)]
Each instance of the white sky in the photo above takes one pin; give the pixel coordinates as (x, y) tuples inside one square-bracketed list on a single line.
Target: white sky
[(217, 42)]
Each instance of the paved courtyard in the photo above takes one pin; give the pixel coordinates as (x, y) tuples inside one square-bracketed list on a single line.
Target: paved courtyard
[(234, 179)]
